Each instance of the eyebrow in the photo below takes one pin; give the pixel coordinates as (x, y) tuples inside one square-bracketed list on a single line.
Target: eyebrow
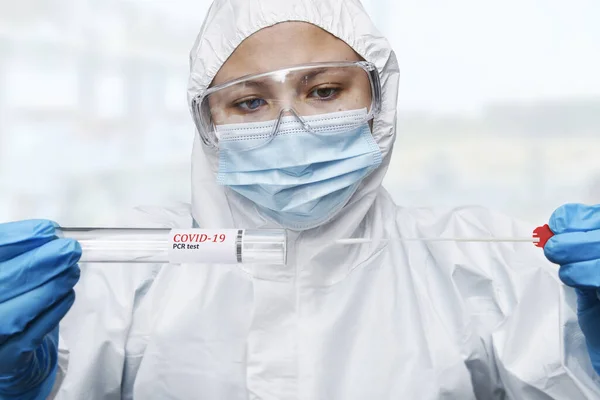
[(256, 84), (312, 74), (266, 83)]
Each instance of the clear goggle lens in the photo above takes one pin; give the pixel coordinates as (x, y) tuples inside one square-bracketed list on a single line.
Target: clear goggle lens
[(302, 91)]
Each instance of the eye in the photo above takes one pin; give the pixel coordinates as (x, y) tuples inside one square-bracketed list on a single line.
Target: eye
[(324, 93), (251, 104)]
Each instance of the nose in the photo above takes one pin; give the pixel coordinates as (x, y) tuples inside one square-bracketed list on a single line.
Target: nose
[(291, 112), (288, 112)]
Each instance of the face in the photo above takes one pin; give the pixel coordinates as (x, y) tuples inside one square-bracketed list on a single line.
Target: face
[(283, 45), (309, 91)]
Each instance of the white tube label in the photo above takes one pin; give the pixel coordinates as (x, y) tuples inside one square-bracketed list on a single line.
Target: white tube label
[(206, 246)]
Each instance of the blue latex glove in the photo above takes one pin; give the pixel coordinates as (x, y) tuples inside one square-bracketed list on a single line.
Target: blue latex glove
[(576, 248), (37, 275)]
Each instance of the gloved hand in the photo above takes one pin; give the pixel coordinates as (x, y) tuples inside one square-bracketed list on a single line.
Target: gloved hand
[(576, 248), (37, 275)]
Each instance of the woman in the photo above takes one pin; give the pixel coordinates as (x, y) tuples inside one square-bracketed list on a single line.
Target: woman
[(295, 106)]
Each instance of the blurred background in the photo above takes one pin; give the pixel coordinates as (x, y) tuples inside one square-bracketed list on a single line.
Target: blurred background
[(499, 105)]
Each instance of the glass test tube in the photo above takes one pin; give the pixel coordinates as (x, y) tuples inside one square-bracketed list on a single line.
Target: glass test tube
[(164, 245)]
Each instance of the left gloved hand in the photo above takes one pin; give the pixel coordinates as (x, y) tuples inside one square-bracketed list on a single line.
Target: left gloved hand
[(576, 248)]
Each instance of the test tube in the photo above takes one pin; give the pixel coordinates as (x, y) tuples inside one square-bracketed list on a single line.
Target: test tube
[(176, 246)]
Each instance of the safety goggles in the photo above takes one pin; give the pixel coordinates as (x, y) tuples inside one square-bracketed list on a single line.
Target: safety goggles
[(303, 91)]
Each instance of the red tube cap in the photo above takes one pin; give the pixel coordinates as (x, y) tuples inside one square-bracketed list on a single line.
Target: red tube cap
[(544, 233)]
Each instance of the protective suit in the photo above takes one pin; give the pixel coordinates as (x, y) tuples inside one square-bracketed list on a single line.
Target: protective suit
[(378, 321)]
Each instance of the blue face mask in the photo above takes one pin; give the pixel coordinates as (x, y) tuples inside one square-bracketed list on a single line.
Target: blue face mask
[(297, 178)]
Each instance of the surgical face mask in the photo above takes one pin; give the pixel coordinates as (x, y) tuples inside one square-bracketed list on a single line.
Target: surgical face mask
[(296, 177)]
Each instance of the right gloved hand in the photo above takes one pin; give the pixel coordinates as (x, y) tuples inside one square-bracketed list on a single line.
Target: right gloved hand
[(37, 275)]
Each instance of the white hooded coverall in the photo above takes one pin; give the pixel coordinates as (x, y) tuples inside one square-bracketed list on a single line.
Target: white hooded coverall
[(383, 321)]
